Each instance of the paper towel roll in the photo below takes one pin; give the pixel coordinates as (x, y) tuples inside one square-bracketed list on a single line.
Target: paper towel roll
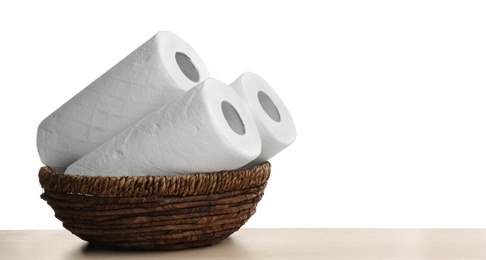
[(209, 128), (274, 122), (154, 74)]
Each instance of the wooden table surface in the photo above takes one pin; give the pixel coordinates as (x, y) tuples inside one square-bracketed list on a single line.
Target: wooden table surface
[(340, 244)]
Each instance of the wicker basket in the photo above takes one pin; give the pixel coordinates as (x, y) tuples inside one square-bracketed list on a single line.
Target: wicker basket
[(155, 212)]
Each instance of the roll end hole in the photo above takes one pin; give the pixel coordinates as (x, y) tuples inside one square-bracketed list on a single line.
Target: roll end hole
[(233, 118), (268, 106), (187, 67)]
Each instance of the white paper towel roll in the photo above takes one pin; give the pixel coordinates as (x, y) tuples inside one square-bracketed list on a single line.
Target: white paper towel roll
[(154, 74), (274, 122), (209, 128)]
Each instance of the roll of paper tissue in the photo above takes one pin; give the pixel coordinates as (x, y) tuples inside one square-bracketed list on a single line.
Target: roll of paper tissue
[(209, 128), (154, 74), (274, 122)]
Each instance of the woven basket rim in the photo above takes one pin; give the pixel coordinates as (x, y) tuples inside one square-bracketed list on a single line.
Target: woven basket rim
[(136, 186)]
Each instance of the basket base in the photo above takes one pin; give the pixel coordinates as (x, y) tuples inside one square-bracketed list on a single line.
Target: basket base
[(158, 246)]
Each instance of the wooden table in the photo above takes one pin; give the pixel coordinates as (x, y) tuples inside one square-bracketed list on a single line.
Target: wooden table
[(340, 244)]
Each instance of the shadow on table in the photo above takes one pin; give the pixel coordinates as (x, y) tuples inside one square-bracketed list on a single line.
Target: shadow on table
[(227, 247)]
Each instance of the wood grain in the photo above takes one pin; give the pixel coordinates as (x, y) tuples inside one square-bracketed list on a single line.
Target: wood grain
[(341, 244)]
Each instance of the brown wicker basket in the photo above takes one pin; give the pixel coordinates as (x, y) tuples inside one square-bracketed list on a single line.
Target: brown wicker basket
[(155, 212)]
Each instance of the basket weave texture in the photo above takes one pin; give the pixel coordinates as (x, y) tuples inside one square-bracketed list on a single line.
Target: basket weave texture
[(155, 212)]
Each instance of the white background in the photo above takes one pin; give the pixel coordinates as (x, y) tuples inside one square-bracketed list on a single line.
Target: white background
[(389, 99)]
